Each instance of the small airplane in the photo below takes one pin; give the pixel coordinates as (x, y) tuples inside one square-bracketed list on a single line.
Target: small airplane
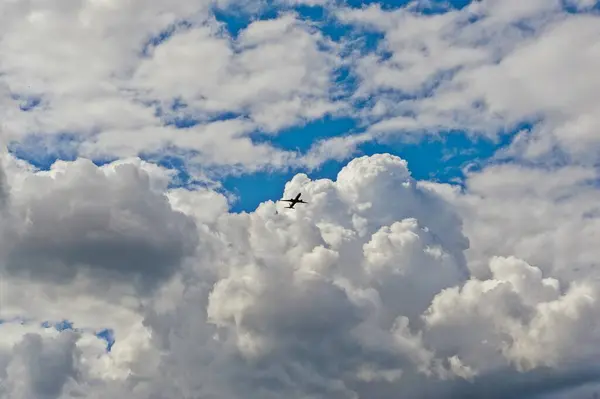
[(294, 201)]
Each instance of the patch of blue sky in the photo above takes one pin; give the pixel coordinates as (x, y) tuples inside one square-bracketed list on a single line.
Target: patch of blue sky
[(170, 158), (424, 6), (442, 158), (105, 334), (188, 120), (235, 19), (429, 158), (59, 326), (570, 6), (345, 82), (181, 161), (179, 116), (29, 103), (42, 151), (252, 189), (301, 138), (159, 38), (255, 188)]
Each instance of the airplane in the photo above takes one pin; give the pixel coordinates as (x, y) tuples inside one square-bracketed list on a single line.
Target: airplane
[(294, 201)]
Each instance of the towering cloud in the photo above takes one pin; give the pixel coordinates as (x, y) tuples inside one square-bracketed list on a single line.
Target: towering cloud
[(129, 280), (112, 222), (363, 292)]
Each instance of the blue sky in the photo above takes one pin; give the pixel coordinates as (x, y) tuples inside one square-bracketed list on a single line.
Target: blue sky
[(440, 158), (184, 83), (106, 334)]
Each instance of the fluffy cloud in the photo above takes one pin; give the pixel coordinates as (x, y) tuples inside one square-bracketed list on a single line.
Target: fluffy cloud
[(78, 217), (122, 80), (121, 87), (381, 286), (363, 292), (548, 217), (41, 368), (486, 69), (239, 76)]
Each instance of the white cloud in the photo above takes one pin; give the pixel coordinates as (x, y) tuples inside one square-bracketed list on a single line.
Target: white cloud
[(485, 69), (41, 368), (109, 220), (546, 216), (99, 71), (362, 292), (274, 71), (379, 287)]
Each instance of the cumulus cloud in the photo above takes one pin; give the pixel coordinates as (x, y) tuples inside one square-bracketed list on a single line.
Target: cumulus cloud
[(122, 81), (363, 292), (110, 220), (381, 286), (3, 188), (486, 68), (121, 88), (40, 368), (545, 216), (239, 76)]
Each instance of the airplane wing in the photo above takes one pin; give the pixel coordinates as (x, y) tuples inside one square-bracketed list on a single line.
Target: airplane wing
[(294, 201)]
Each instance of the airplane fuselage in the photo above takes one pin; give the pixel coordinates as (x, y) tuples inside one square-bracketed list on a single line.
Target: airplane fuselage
[(294, 201)]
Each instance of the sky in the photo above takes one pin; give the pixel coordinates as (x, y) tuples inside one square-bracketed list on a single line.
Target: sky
[(448, 152)]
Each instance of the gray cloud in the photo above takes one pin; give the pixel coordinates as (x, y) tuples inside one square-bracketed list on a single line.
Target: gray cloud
[(381, 287), (40, 368), (349, 296), (106, 222)]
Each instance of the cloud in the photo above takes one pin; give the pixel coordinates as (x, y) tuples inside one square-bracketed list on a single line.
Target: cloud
[(316, 300), (547, 216), (123, 88), (176, 81), (239, 76), (486, 69), (363, 292), (40, 367), (3, 188), (110, 220), (380, 286)]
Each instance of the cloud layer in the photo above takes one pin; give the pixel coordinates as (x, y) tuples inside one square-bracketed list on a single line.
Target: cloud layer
[(381, 286), (110, 219), (121, 82), (366, 291)]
